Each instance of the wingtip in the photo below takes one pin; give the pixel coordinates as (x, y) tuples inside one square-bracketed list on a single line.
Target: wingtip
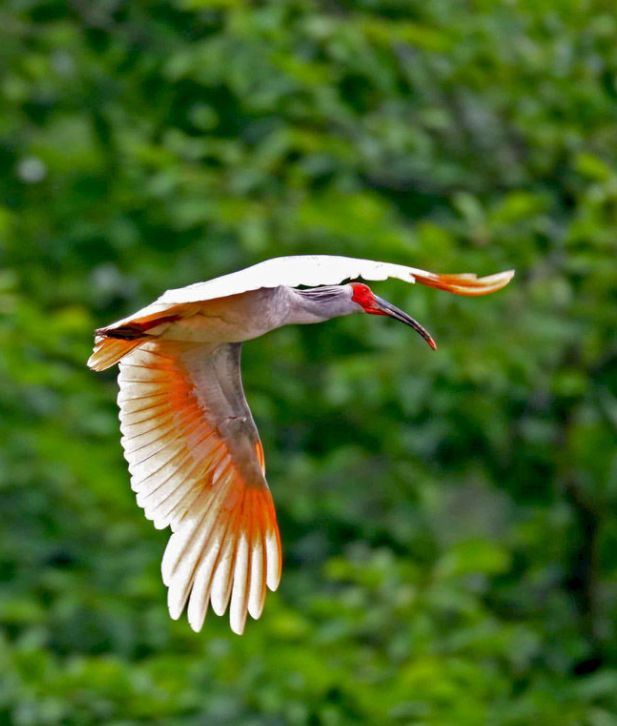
[(273, 559), (237, 625), (195, 626), (466, 284)]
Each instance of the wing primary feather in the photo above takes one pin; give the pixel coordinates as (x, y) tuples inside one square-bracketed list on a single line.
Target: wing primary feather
[(239, 593), (187, 561), (185, 538), (204, 579), (199, 597), (222, 582), (257, 591), (273, 553)]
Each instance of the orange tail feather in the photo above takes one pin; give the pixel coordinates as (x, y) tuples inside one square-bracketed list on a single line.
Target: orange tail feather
[(111, 344), (109, 351)]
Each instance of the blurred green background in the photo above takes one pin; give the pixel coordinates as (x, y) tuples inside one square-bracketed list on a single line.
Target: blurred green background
[(449, 519)]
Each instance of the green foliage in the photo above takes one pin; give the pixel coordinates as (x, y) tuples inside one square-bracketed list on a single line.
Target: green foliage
[(448, 518)]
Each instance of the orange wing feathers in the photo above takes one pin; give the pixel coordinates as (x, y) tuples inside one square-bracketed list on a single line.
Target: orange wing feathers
[(467, 284), (191, 474)]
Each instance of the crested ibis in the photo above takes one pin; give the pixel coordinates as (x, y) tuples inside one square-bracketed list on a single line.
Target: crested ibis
[(193, 450)]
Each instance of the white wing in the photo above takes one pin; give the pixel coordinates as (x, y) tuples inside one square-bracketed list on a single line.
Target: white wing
[(314, 270), (311, 271)]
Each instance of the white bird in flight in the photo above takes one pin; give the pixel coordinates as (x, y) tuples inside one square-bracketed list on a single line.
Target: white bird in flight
[(194, 454)]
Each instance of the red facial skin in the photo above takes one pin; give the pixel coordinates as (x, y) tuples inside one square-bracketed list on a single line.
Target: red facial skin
[(363, 296)]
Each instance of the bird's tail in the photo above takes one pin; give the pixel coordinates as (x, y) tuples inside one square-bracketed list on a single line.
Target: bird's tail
[(109, 351), (112, 343), (465, 284)]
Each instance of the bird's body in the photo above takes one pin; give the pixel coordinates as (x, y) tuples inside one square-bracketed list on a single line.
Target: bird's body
[(193, 449), (233, 319)]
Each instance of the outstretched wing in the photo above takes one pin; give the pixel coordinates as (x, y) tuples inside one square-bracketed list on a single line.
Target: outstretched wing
[(196, 463), (311, 271)]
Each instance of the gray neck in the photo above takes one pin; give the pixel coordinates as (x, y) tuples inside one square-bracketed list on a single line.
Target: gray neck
[(320, 303)]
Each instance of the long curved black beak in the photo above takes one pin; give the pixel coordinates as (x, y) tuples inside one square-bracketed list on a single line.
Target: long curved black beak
[(386, 308)]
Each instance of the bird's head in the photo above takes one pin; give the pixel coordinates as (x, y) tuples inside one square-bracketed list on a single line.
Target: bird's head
[(363, 296)]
